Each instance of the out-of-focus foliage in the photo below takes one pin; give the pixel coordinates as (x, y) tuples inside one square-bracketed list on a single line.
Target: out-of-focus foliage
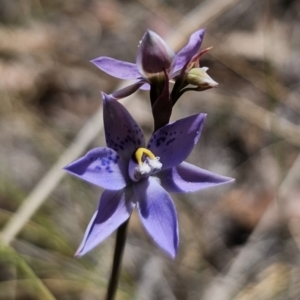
[(49, 90)]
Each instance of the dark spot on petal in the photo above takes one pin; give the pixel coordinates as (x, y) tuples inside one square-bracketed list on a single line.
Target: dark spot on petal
[(170, 141), (160, 141)]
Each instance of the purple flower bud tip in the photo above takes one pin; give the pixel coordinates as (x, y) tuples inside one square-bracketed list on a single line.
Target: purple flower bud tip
[(154, 55)]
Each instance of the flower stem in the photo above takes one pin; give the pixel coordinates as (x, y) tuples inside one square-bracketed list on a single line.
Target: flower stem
[(119, 249)]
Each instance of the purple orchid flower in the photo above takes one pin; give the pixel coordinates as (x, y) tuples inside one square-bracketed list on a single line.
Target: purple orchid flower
[(156, 62), (135, 174)]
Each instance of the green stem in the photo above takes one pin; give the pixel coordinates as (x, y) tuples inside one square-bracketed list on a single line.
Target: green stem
[(119, 249)]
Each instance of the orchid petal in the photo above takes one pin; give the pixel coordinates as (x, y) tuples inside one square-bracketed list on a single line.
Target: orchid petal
[(145, 87), (117, 68), (122, 133), (189, 50), (101, 166), (189, 178), (174, 142), (158, 214), (128, 90), (114, 209)]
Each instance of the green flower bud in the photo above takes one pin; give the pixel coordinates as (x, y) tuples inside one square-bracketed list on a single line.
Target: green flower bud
[(199, 78)]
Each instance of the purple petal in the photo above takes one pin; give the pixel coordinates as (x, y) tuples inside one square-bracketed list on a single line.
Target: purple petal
[(117, 68), (128, 90), (122, 133), (189, 178), (102, 167), (189, 50), (114, 209), (145, 87), (158, 214), (174, 142)]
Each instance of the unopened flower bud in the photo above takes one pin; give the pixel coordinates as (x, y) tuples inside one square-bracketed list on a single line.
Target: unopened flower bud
[(199, 77), (155, 55)]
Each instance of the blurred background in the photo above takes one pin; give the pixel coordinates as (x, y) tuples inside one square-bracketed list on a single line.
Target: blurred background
[(239, 241)]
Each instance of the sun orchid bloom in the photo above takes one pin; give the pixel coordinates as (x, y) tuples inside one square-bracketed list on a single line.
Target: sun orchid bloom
[(156, 61), (136, 174)]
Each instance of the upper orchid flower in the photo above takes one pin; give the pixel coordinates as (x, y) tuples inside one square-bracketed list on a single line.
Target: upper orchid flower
[(136, 174), (156, 62)]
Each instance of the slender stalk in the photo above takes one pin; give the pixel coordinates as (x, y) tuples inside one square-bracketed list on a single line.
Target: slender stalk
[(118, 255)]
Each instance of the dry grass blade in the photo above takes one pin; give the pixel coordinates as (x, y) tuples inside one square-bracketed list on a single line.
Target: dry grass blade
[(36, 284), (227, 286), (256, 77), (254, 114)]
